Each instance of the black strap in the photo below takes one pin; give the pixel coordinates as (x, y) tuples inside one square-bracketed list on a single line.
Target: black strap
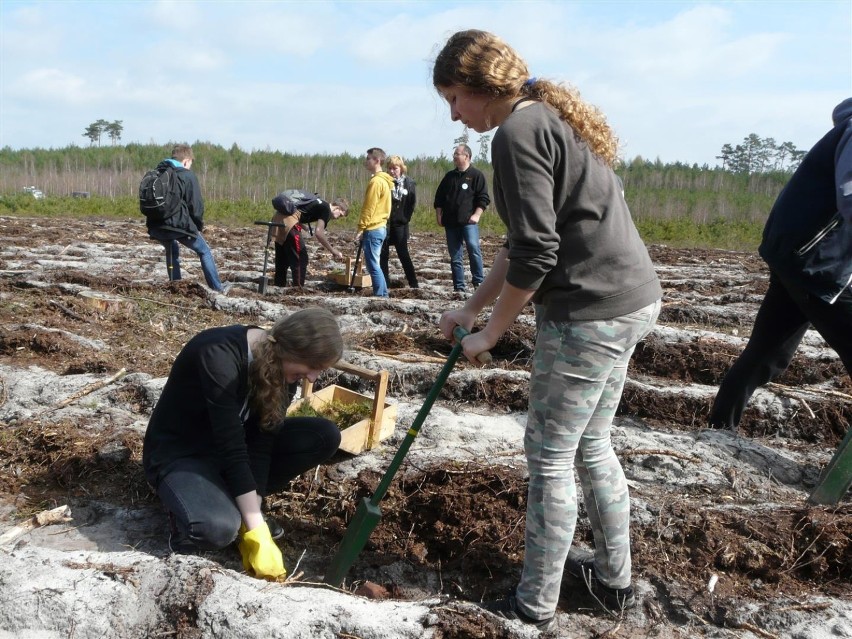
[(518, 102)]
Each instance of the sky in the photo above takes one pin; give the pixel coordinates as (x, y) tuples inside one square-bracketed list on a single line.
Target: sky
[(676, 80)]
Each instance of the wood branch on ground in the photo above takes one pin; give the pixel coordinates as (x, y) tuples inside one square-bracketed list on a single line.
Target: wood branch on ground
[(57, 515)]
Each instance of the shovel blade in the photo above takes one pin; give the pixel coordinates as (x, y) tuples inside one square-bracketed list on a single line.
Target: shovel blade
[(365, 520), (261, 287), (836, 479)]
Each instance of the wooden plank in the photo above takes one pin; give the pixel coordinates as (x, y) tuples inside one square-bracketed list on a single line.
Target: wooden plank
[(375, 428)]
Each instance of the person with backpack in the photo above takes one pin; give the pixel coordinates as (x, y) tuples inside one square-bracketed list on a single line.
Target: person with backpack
[(170, 198), (291, 252)]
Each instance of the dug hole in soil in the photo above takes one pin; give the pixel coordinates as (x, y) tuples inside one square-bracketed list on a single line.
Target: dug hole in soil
[(724, 543)]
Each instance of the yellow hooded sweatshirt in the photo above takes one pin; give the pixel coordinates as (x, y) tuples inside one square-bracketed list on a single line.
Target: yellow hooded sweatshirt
[(377, 202)]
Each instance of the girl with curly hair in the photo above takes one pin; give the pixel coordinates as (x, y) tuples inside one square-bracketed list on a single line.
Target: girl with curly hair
[(219, 440), (572, 250)]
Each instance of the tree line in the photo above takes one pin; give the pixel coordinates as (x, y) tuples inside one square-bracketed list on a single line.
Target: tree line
[(239, 185)]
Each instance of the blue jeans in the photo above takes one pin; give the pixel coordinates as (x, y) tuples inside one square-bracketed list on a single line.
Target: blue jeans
[(194, 491), (197, 244), (469, 236), (371, 245)]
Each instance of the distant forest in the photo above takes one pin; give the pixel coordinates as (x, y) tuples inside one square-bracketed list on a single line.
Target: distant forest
[(238, 185)]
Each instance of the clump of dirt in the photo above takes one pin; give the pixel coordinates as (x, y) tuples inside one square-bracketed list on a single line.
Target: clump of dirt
[(466, 521)]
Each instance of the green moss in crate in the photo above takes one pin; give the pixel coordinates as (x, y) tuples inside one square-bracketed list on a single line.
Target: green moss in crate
[(344, 414)]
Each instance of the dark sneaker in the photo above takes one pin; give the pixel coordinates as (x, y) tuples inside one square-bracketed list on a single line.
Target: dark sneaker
[(507, 608), (275, 529), (581, 564)]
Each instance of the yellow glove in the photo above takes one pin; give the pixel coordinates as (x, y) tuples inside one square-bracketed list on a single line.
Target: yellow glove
[(260, 554)]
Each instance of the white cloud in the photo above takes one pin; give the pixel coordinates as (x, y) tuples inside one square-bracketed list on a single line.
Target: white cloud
[(55, 86), (202, 60), (282, 29), (676, 79)]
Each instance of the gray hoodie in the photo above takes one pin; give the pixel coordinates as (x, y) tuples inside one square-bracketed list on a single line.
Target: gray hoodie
[(570, 234)]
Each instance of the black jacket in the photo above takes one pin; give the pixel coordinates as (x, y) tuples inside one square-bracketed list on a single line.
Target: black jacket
[(460, 194), (808, 236), (201, 412), (403, 201), (188, 219)]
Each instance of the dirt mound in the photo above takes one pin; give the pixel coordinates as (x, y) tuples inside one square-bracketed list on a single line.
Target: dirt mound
[(89, 328)]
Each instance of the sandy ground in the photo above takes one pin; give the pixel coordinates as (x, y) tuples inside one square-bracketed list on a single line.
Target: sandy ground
[(709, 507)]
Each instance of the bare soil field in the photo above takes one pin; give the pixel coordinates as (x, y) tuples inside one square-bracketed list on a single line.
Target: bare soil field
[(724, 542)]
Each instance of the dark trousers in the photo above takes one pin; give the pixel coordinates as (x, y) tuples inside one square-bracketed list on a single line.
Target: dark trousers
[(398, 238), (291, 256), (193, 490), (784, 315)]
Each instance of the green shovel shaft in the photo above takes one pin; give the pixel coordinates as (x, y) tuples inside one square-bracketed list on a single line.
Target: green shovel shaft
[(414, 429)]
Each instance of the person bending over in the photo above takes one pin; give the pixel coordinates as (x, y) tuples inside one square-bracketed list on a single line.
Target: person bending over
[(219, 440), (291, 251)]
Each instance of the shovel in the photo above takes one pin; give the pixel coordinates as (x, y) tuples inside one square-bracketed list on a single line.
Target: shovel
[(368, 513), (836, 479), (261, 288), (355, 269)]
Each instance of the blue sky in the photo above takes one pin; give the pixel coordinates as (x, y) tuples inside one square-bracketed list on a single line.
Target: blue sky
[(677, 80)]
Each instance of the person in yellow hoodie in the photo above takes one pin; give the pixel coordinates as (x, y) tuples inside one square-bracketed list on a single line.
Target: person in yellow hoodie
[(375, 211)]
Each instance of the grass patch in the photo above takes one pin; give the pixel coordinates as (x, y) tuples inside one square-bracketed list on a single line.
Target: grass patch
[(684, 233), (678, 232)]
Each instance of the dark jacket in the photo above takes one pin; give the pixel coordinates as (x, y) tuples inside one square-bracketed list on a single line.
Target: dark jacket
[(202, 411), (188, 219), (459, 194), (808, 235), (404, 198)]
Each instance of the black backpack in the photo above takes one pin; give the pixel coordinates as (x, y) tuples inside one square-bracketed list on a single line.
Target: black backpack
[(159, 194)]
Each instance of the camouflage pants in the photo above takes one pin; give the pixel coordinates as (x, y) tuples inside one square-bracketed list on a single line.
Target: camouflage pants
[(578, 374)]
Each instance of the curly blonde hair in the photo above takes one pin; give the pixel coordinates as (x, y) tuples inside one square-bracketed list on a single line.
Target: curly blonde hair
[(310, 337), (483, 63)]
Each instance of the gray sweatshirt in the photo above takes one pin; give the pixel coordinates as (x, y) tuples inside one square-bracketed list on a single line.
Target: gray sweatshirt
[(570, 234)]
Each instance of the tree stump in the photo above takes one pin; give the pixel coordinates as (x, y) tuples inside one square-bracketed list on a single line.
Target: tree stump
[(105, 302)]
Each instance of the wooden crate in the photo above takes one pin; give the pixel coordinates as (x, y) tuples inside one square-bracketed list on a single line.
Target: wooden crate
[(362, 278), (368, 432)]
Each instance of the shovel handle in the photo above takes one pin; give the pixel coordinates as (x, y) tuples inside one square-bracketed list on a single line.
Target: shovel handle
[(460, 333), (271, 224)]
